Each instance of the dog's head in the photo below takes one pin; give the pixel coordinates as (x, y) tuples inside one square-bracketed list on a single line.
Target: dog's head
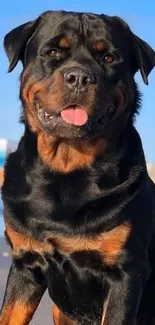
[(78, 76)]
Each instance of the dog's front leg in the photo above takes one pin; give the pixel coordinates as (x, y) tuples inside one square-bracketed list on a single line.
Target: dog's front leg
[(25, 288), (124, 298)]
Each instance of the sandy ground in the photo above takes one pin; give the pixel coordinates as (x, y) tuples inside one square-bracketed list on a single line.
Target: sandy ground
[(43, 313)]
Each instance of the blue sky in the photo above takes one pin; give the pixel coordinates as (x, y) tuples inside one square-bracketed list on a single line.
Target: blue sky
[(140, 15)]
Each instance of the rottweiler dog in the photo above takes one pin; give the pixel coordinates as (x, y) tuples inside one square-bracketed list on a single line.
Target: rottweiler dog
[(79, 206)]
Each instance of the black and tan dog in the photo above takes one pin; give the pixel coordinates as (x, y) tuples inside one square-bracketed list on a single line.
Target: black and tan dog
[(79, 206)]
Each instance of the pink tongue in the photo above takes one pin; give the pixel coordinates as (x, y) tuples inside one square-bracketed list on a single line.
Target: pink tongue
[(76, 116)]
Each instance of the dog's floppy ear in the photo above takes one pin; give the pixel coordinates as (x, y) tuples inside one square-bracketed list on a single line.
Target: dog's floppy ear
[(143, 54), (145, 57), (15, 42)]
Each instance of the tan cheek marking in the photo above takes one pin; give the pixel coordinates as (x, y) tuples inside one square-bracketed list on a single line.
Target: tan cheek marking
[(109, 244), (17, 313), (31, 88), (34, 85)]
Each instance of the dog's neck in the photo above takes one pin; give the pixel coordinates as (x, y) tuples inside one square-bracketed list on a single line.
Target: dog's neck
[(65, 155)]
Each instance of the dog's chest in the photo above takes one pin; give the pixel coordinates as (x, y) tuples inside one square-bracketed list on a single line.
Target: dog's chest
[(107, 245), (79, 272), (77, 284)]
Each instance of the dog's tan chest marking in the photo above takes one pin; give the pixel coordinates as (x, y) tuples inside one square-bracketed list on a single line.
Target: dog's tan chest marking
[(67, 155), (109, 244)]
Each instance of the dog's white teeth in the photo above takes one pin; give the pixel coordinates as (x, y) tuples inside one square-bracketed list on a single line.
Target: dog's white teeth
[(42, 113), (46, 114), (38, 104), (39, 108)]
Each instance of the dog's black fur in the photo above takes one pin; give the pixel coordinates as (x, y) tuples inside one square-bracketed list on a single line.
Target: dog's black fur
[(82, 226)]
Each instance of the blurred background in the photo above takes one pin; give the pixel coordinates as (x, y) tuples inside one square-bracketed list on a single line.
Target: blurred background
[(140, 15)]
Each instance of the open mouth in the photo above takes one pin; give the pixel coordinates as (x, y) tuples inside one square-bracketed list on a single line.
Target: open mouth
[(77, 115), (73, 114), (43, 115)]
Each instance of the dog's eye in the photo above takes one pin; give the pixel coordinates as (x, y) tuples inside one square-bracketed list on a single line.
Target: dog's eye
[(108, 58), (54, 53)]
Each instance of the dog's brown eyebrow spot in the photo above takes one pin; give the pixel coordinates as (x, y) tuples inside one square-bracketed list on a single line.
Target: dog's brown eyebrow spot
[(99, 46), (64, 42)]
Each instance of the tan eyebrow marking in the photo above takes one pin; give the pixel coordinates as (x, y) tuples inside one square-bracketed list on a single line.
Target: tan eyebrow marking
[(99, 46), (64, 42)]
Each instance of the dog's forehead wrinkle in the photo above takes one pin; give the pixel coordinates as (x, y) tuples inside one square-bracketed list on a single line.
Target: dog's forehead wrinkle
[(54, 23), (99, 25)]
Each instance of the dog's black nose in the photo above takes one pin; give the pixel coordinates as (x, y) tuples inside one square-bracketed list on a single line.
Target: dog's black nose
[(78, 78)]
